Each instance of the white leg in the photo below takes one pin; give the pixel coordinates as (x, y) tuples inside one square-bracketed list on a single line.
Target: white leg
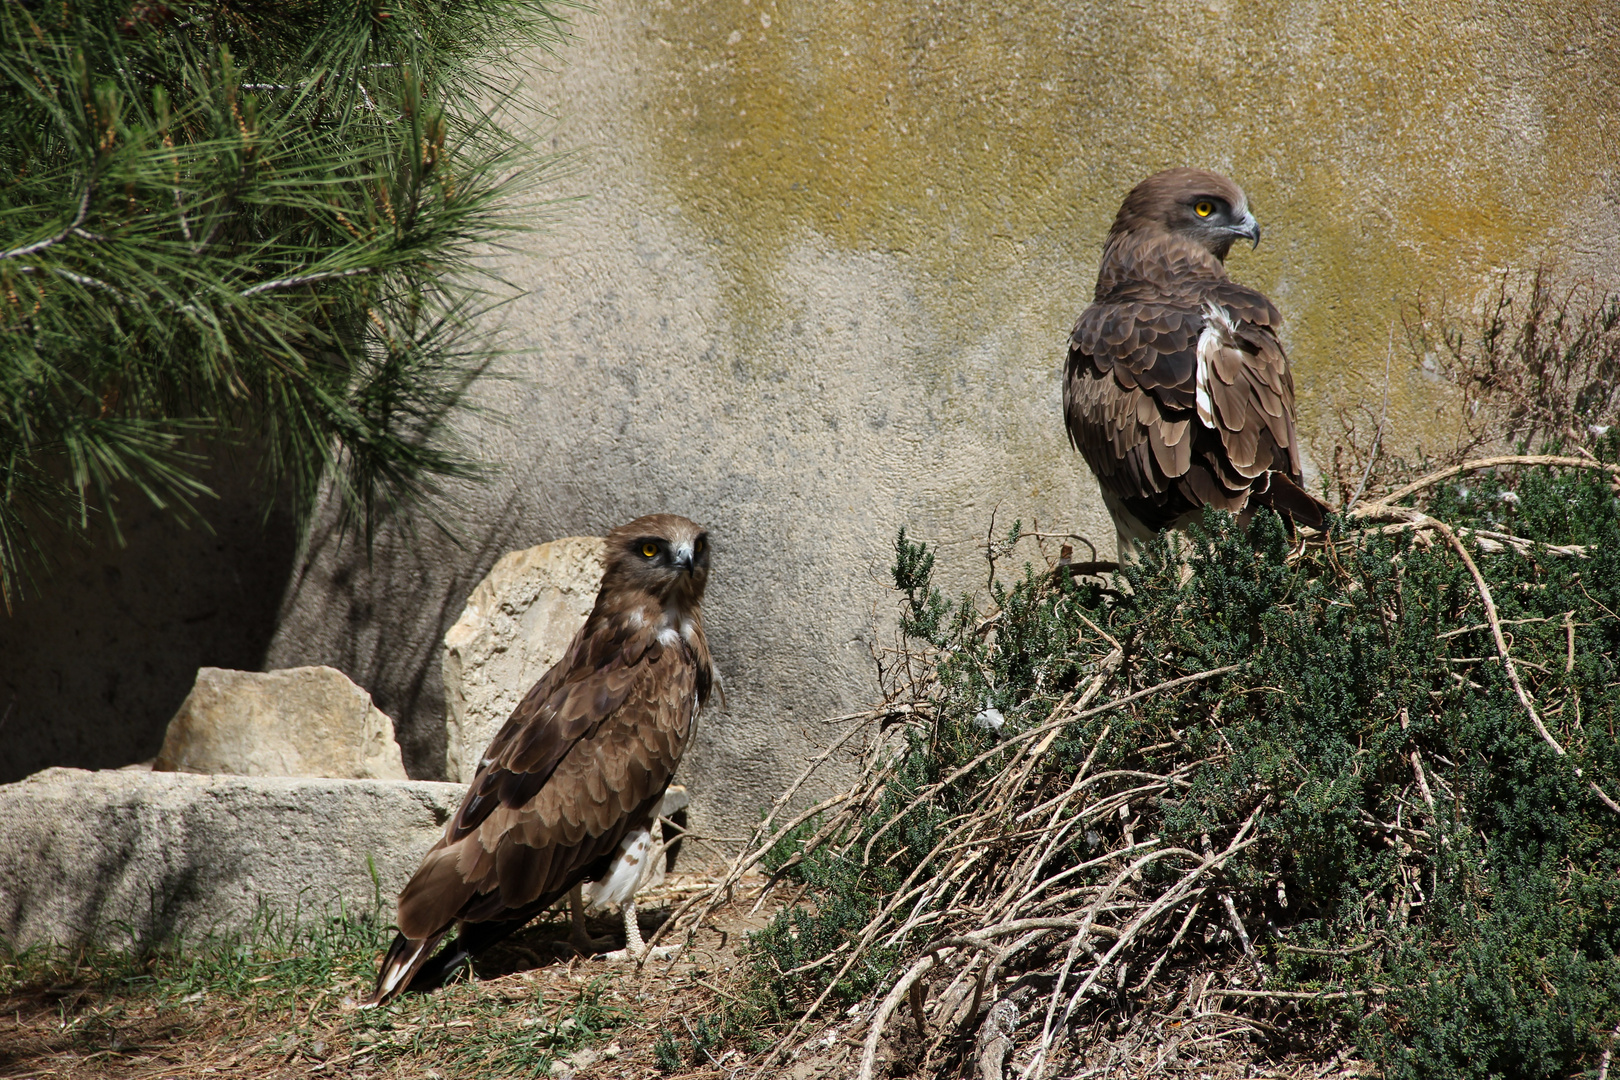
[(632, 930), (635, 947)]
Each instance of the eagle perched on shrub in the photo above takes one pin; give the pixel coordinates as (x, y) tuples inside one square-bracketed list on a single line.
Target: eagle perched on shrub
[(1177, 391)]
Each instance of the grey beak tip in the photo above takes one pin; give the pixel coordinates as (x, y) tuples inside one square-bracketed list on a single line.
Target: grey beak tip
[(1249, 229)]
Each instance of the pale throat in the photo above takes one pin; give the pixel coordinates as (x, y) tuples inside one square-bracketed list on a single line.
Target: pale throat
[(674, 620)]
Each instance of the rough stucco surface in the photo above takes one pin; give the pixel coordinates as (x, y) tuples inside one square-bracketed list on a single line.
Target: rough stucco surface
[(824, 257), (95, 662)]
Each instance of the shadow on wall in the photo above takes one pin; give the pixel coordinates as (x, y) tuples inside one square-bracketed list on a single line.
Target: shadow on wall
[(372, 636), (100, 655)]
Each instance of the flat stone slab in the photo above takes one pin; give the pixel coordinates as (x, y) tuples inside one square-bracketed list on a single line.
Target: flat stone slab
[(125, 856)]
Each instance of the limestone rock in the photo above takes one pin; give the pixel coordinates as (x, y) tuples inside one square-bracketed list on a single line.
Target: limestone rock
[(121, 856), (517, 623), (309, 721)]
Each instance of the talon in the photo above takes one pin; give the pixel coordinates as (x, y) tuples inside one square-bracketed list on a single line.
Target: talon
[(657, 952)]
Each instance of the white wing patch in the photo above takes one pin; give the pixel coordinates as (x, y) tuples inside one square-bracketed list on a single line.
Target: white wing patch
[(1219, 333)]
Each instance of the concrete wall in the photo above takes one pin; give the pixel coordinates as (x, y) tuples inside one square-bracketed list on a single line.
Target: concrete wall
[(101, 652), (823, 257)]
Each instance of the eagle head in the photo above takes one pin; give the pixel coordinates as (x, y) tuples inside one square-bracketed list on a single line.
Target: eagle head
[(662, 554), (1195, 204)]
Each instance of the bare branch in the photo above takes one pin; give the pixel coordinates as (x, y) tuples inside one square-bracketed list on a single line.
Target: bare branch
[(1429, 481), (67, 230), (306, 279), (891, 1001)]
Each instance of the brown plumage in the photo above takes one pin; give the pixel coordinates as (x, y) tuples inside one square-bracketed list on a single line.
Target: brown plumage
[(582, 762), (1177, 391)]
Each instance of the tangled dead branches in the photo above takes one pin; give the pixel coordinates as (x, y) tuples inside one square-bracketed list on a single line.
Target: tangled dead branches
[(1537, 365), (1255, 792)]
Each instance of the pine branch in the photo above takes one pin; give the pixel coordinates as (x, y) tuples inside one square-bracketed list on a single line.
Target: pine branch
[(70, 229), (273, 240)]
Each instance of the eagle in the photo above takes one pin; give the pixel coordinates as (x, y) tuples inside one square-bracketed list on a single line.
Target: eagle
[(565, 798), (1176, 390)]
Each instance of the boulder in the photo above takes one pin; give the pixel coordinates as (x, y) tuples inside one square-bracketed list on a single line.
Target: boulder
[(517, 623), (309, 721), (126, 857)]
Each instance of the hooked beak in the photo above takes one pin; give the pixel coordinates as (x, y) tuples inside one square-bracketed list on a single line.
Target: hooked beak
[(683, 559), (1249, 229)]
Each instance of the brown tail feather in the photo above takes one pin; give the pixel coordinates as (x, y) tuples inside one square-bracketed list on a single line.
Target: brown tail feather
[(405, 957), (1291, 501)]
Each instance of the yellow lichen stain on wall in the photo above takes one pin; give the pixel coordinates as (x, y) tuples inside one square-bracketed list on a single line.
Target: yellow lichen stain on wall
[(1391, 153)]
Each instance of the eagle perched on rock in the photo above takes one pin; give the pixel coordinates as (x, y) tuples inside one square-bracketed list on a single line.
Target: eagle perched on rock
[(1177, 391), (567, 792)]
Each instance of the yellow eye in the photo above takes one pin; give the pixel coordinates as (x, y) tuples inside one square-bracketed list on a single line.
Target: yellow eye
[(649, 550), (1204, 209), (700, 545)]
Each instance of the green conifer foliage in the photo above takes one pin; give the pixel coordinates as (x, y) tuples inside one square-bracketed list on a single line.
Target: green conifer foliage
[(249, 224)]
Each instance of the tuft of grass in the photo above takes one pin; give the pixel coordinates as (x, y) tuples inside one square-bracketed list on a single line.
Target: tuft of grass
[(667, 1052), (278, 953), (276, 990)]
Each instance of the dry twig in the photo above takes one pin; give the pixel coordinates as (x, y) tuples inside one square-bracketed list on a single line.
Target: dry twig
[(1002, 889)]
